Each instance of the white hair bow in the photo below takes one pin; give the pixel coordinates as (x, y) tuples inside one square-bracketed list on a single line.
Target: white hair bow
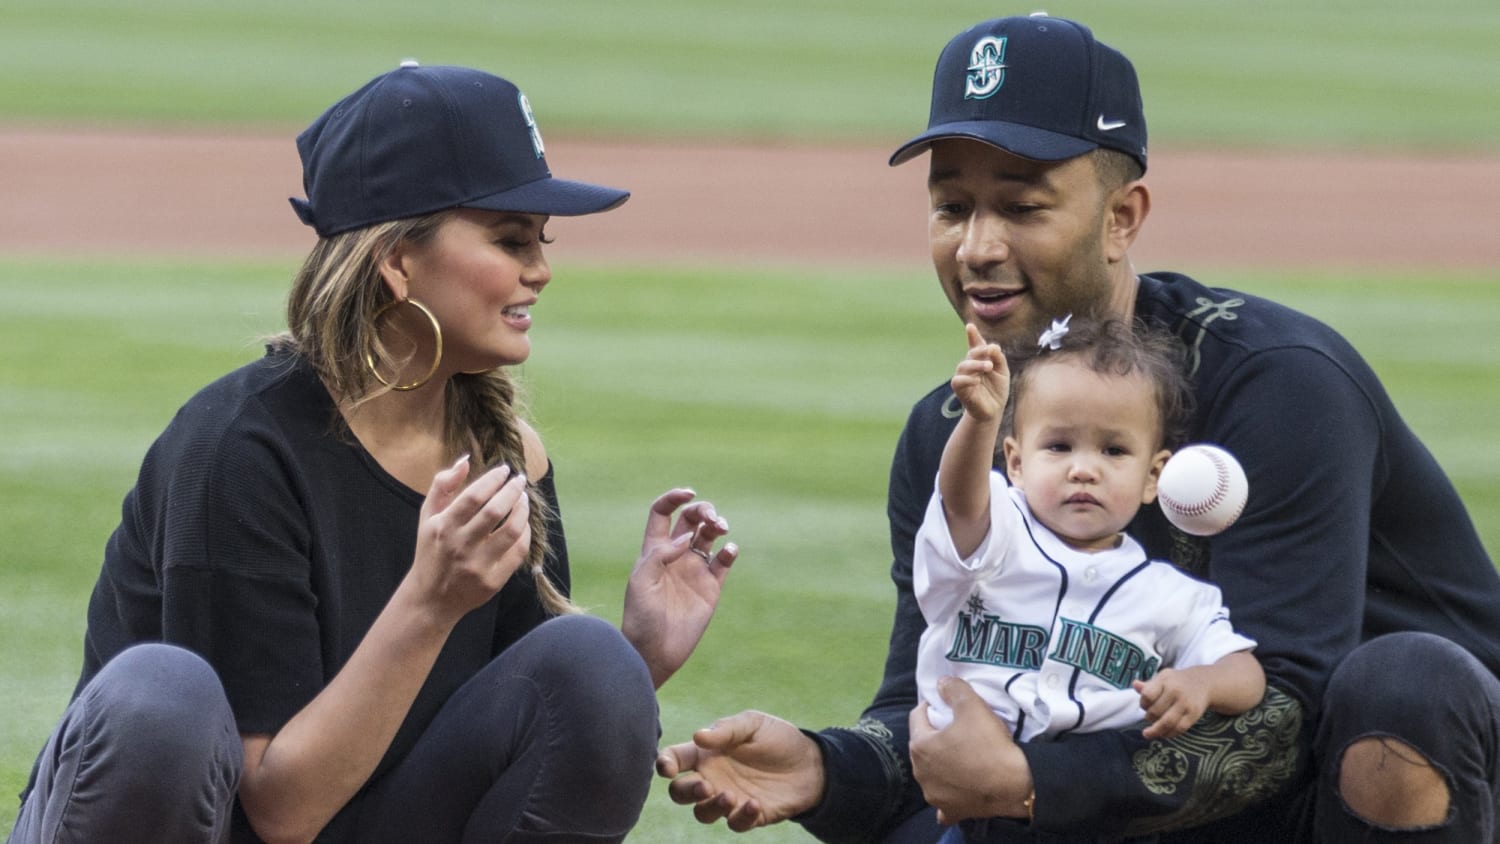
[(1052, 338)]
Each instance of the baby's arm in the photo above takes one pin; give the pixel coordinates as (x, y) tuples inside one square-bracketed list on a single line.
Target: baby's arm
[(1175, 699), (982, 384)]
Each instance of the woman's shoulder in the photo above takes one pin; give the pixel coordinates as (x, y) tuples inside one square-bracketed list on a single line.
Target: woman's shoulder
[(537, 462), (270, 393)]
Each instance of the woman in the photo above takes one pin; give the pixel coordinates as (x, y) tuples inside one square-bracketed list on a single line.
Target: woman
[(355, 659)]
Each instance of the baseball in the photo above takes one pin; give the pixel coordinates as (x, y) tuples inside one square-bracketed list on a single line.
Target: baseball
[(1202, 489)]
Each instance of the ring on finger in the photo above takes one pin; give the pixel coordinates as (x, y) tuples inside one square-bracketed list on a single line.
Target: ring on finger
[(707, 560)]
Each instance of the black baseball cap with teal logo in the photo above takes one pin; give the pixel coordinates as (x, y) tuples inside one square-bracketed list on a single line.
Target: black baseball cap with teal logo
[(418, 140), (1037, 86)]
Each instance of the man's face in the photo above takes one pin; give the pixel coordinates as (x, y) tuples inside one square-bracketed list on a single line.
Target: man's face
[(1016, 243)]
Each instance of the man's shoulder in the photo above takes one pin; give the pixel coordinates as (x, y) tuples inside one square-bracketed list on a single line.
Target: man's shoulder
[(1231, 324), (1178, 302), (1174, 299)]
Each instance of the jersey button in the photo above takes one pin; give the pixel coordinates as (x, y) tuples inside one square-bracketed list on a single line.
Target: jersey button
[(1091, 574)]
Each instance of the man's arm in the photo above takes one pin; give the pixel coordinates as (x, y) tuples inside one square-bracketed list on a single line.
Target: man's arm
[(1218, 768)]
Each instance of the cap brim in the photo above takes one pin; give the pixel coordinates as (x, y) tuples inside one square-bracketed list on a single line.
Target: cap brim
[(557, 197), (1024, 141)]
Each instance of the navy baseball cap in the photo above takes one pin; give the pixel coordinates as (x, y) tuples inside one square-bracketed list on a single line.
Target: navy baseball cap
[(1039, 87), (420, 139)]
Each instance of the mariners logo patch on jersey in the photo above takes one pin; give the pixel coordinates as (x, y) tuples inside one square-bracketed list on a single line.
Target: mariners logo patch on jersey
[(986, 68)]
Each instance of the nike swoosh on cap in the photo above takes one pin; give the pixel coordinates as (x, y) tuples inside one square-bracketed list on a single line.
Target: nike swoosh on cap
[(1109, 125)]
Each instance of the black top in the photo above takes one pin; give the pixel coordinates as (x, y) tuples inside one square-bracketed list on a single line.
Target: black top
[(1351, 530), (263, 537)]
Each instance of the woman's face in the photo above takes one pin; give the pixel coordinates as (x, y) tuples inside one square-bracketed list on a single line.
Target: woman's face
[(479, 274)]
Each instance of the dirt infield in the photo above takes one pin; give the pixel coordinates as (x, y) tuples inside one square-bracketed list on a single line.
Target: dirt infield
[(205, 195)]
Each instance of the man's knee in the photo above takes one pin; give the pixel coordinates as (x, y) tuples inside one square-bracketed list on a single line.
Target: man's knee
[(1390, 784), (1398, 712)]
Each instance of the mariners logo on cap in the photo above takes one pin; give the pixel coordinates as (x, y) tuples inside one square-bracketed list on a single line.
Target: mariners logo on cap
[(986, 68), (536, 134)]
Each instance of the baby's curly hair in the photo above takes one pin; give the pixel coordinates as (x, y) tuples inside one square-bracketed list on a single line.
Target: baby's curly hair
[(1114, 346)]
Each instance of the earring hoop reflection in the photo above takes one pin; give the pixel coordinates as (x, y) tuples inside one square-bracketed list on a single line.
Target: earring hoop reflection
[(437, 334)]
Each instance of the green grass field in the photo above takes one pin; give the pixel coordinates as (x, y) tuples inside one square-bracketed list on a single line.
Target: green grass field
[(1341, 73), (780, 401)]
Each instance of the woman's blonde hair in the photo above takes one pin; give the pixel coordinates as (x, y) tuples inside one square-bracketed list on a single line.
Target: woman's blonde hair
[(331, 323)]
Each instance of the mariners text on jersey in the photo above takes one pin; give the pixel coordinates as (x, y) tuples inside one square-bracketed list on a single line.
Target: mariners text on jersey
[(984, 638)]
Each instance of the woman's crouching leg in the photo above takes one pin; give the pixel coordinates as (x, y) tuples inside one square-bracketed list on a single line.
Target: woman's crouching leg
[(555, 740), (147, 752)]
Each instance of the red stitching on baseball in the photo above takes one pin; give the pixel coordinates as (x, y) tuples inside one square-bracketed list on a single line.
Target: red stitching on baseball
[(1221, 488)]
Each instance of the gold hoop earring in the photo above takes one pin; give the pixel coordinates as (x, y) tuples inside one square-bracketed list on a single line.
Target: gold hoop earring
[(437, 334)]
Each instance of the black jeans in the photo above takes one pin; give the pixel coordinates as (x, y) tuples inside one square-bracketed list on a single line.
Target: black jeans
[(553, 741), (146, 753), (1433, 695)]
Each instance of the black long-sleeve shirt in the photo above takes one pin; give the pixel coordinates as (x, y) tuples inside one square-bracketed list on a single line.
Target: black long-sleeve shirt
[(1351, 530)]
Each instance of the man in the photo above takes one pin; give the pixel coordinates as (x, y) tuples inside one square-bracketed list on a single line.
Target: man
[(1353, 552)]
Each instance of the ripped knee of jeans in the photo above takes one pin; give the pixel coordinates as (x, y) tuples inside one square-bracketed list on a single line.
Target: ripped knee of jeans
[(1391, 785)]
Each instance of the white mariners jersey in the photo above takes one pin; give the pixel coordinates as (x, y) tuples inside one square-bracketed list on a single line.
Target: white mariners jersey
[(1052, 637)]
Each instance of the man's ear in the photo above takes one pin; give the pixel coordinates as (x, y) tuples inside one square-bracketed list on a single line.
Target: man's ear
[(1126, 210)]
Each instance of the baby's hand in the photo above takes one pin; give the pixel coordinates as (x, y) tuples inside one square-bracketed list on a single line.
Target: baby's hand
[(1173, 701), (982, 380)]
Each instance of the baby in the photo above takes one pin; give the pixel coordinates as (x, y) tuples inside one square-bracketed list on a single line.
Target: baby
[(1032, 592)]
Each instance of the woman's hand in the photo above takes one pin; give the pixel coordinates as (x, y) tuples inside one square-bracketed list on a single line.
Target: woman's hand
[(675, 584), (470, 540)]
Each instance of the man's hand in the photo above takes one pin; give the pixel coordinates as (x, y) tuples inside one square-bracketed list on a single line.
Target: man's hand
[(751, 769), (971, 768)]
